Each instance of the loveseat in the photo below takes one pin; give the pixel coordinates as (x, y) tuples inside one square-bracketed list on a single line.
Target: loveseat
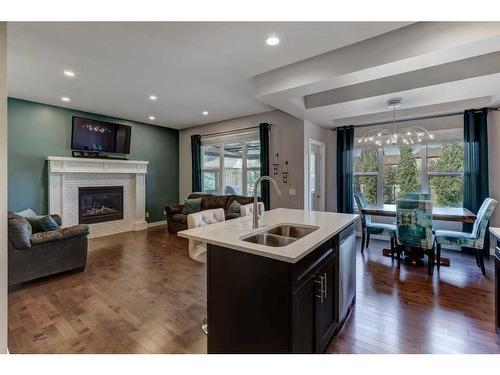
[(35, 255), (177, 220)]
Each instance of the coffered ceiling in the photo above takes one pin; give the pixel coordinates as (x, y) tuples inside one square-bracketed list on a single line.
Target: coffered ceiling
[(426, 64)]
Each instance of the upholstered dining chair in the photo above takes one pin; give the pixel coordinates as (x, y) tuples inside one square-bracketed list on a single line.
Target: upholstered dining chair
[(247, 209), (198, 249), (474, 240), (414, 228), (418, 196), (368, 227)]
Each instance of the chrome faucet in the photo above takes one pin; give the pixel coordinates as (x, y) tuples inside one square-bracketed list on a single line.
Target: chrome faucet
[(255, 208)]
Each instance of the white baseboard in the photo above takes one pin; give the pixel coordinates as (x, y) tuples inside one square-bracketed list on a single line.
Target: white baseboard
[(140, 225), (157, 223)]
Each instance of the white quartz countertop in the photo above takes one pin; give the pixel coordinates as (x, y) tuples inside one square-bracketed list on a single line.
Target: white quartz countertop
[(229, 234), (495, 232)]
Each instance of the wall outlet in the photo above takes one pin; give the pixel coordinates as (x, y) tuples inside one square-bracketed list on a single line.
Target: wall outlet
[(291, 191), (147, 215), (164, 213)]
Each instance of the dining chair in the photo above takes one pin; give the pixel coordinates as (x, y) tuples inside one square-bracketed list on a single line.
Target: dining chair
[(414, 228), (418, 196), (475, 239), (368, 227), (247, 209)]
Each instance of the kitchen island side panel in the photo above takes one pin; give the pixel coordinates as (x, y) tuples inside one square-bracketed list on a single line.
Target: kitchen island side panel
[(248, 303)]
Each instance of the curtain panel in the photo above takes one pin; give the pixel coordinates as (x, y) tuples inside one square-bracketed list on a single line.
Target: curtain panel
[(196, 163), (264, 130), (476, 163), (345, 142)]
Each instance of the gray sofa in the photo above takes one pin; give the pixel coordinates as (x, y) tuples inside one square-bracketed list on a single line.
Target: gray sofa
[(35, 255)]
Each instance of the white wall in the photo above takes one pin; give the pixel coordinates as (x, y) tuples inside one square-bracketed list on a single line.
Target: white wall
[(3, 187), (329, 138), (287, 138), (493, 160)]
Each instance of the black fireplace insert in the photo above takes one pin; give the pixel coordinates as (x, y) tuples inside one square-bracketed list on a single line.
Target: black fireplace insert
[(99, 204)]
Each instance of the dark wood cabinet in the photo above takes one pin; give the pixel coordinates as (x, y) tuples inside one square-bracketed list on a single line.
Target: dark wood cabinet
[(304, 316), (326, 303), (315, 309), (261, 305)]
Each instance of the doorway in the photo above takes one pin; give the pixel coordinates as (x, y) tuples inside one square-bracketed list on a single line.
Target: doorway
[(316, 176)]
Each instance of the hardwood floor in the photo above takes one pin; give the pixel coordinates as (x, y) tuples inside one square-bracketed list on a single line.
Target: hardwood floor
[(407, 311), (141, 293)]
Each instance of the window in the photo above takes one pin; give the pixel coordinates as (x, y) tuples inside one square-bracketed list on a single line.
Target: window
[(387, 173), (366, 173), (233, 168), (402, 171), (253, 165), (210, 168), (445, 168), (231, 164)]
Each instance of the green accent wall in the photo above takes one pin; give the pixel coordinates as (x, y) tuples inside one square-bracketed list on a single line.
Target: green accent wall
[(36, 131)]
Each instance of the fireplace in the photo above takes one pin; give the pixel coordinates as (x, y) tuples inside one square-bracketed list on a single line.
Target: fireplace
[(100, 204)]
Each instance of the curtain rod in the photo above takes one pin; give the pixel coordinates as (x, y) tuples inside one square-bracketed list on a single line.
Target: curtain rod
[(228, 131), (415, 119)]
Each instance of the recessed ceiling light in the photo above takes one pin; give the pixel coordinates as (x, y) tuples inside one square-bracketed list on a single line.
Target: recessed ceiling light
[(65, 99), (69, 73), (153, 97), (152, 118), (204, 113), (273, 41)]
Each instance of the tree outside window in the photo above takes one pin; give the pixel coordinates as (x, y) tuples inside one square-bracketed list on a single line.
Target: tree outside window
[(390, 186), (446, 175), (406, 172), (365, 174)]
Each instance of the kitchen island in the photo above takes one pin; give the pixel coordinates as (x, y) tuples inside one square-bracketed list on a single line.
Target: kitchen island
[(285, 287)]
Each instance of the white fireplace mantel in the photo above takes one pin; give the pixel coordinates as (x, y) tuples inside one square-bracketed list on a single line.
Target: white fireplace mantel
[(66, 174), (61, 164)]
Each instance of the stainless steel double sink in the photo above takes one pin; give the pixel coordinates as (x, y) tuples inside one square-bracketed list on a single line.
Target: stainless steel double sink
[(281, 235)]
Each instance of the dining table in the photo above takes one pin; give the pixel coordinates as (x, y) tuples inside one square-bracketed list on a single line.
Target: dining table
[(453, 214)]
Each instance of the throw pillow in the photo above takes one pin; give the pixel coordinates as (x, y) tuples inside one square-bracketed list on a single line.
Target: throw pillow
[(42, 223), (191, 206), (19, 231), (234, 207), (26, 213)]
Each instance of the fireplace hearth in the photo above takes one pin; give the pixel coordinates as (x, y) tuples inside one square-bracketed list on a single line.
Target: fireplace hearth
[(100, 204)]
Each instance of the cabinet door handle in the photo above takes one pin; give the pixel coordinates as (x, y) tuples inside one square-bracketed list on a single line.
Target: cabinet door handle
[(321, 286), (325, 287)]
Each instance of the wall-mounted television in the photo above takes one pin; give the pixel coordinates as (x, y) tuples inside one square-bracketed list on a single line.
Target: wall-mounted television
[(99, 136)]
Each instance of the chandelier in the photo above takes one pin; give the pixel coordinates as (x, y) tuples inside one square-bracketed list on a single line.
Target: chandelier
[(406, 136)]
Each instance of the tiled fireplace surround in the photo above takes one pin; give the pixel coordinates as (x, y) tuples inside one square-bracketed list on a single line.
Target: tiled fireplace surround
[(67, 174)]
